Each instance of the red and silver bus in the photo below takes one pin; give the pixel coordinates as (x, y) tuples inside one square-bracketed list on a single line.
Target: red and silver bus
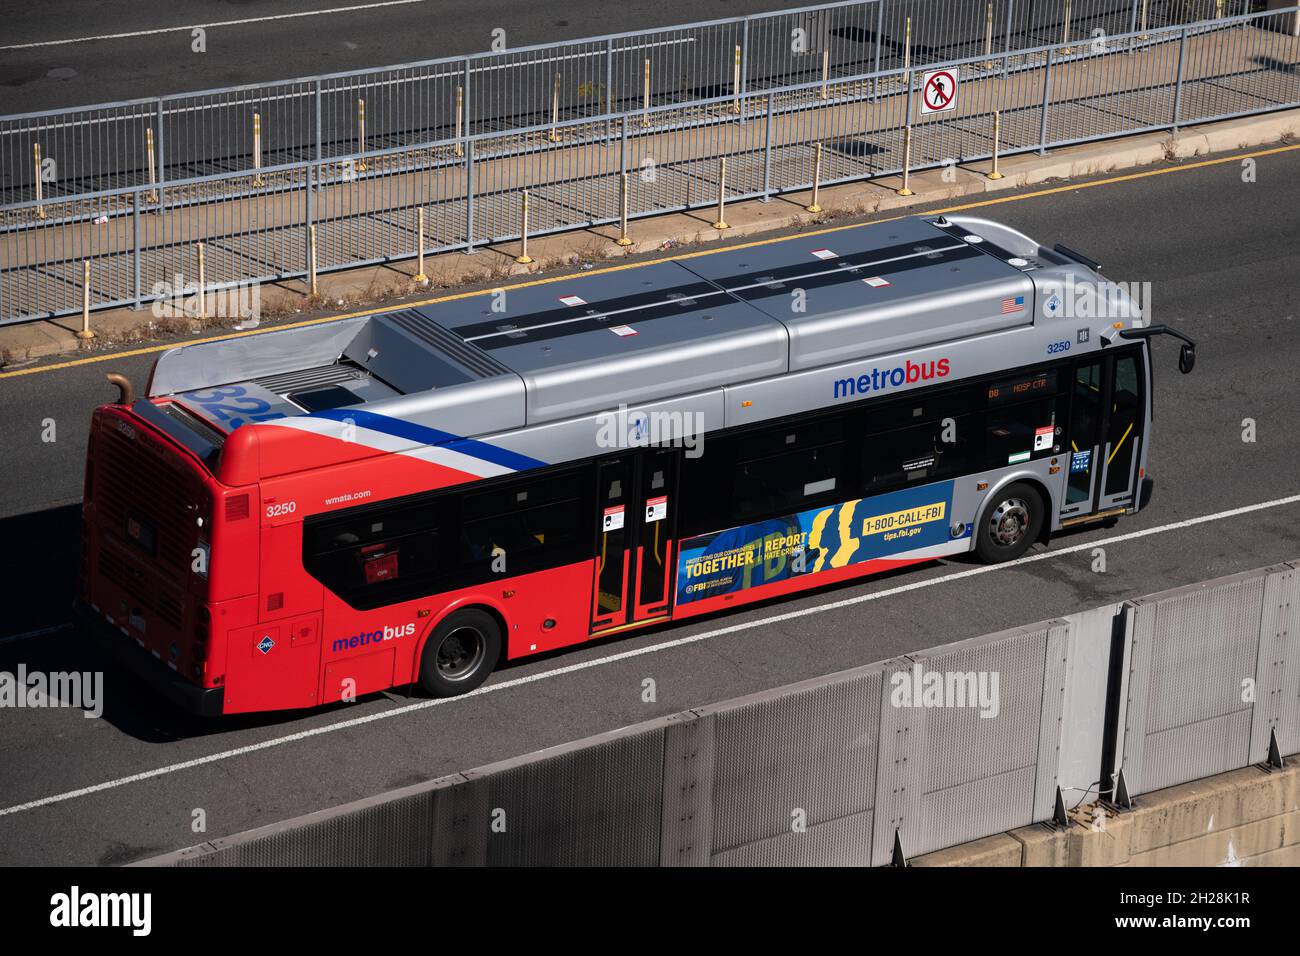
[(305, 516)]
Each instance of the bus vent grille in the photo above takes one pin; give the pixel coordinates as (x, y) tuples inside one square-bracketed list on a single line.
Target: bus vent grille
[(322, 377), (453, 346)]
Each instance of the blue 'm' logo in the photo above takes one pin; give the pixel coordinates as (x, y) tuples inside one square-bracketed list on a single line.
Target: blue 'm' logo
[(265, 644)]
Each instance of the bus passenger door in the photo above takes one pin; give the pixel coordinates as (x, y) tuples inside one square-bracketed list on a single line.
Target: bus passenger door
[(656, 518), (1083, 437), (634, 538), (1125, 413)]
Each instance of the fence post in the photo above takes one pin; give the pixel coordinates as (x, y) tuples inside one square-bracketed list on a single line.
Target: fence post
[(84, 332), (469, 197), (1047, 92), (1178, 86), (135, 245), (767, 154)]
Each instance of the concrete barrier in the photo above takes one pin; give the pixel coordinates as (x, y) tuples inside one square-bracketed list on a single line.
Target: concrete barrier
[(980, 745)]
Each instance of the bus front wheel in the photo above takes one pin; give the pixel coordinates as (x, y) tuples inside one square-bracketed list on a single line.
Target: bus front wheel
[(460, 653), (1011, 522)]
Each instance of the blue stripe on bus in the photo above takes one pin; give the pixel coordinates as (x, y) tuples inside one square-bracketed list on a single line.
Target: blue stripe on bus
[(425, 435)]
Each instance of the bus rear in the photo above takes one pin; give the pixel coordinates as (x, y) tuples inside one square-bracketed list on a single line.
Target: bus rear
[(152, 512)]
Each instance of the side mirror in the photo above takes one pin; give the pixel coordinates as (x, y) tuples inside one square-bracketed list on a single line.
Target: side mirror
[(1187, 359)]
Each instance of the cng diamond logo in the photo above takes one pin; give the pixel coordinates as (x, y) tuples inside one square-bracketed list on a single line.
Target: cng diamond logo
[(1052, 306), (265, 644)]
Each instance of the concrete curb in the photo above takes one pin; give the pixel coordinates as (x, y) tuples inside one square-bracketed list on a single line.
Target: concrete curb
[(584, 249)]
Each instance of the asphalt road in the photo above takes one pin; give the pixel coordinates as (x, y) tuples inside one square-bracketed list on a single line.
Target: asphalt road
[(102, 70), (1224, 257)]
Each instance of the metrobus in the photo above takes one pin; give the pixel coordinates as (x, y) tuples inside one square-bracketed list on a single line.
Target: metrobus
[(295, 518)]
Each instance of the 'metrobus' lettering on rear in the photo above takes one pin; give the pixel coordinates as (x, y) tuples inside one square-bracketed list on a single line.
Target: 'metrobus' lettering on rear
[(879, 379)]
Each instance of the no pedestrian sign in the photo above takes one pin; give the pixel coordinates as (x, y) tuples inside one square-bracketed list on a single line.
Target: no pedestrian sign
[(938, 91)]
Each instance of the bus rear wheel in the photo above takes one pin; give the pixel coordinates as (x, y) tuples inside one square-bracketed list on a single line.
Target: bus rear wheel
[(1011, 522), (460, 653)]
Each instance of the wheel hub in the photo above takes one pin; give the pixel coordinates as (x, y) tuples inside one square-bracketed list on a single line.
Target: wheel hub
[(1009, 522), (460, 653)]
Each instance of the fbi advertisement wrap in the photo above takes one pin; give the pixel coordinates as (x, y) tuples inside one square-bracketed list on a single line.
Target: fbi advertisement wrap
[(836, 536)]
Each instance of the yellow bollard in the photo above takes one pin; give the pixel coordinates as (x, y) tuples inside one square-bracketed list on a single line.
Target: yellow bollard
[(153, 181), (523, 258), (907, 48), (645, 94), (203, 290), (907, 162), (555, 110), (361, 134), (311, 262), (997, 130), (1218, 9), (1144, 35), (1065, 29), (817, 179), (460, 112), (419, 276), (988, 37), (85, 332), (257, 149), (623, 239), (40, 209), (735, 82), (722, 194), (826, 72)]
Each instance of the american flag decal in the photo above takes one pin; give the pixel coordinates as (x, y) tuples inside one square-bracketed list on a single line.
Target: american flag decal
[(1013, 304)]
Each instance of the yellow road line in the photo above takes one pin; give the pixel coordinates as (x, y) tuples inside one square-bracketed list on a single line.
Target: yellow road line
[(1127, 177)]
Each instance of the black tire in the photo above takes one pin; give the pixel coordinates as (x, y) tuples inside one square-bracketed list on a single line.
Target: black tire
[(1011, 521), (460, 653)]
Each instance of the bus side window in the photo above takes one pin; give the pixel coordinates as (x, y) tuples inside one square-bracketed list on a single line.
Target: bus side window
[(923, 452), (769, 481)]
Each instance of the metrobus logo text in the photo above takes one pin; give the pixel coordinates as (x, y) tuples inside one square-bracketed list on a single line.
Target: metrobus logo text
[(374, 637), (878, 379)]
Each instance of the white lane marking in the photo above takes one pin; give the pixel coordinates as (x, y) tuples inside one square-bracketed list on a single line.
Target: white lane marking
[(641, 651), (209, 26), (39, 632)]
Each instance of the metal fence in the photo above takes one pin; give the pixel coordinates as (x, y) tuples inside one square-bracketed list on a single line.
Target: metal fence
[(833, 771), (178, 137), (361, 200)]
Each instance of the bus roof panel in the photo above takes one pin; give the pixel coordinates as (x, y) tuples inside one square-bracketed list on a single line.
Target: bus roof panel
[(873, 290)]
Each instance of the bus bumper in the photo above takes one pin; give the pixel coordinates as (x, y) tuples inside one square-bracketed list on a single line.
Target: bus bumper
[(1145, 491), (203, 701)]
